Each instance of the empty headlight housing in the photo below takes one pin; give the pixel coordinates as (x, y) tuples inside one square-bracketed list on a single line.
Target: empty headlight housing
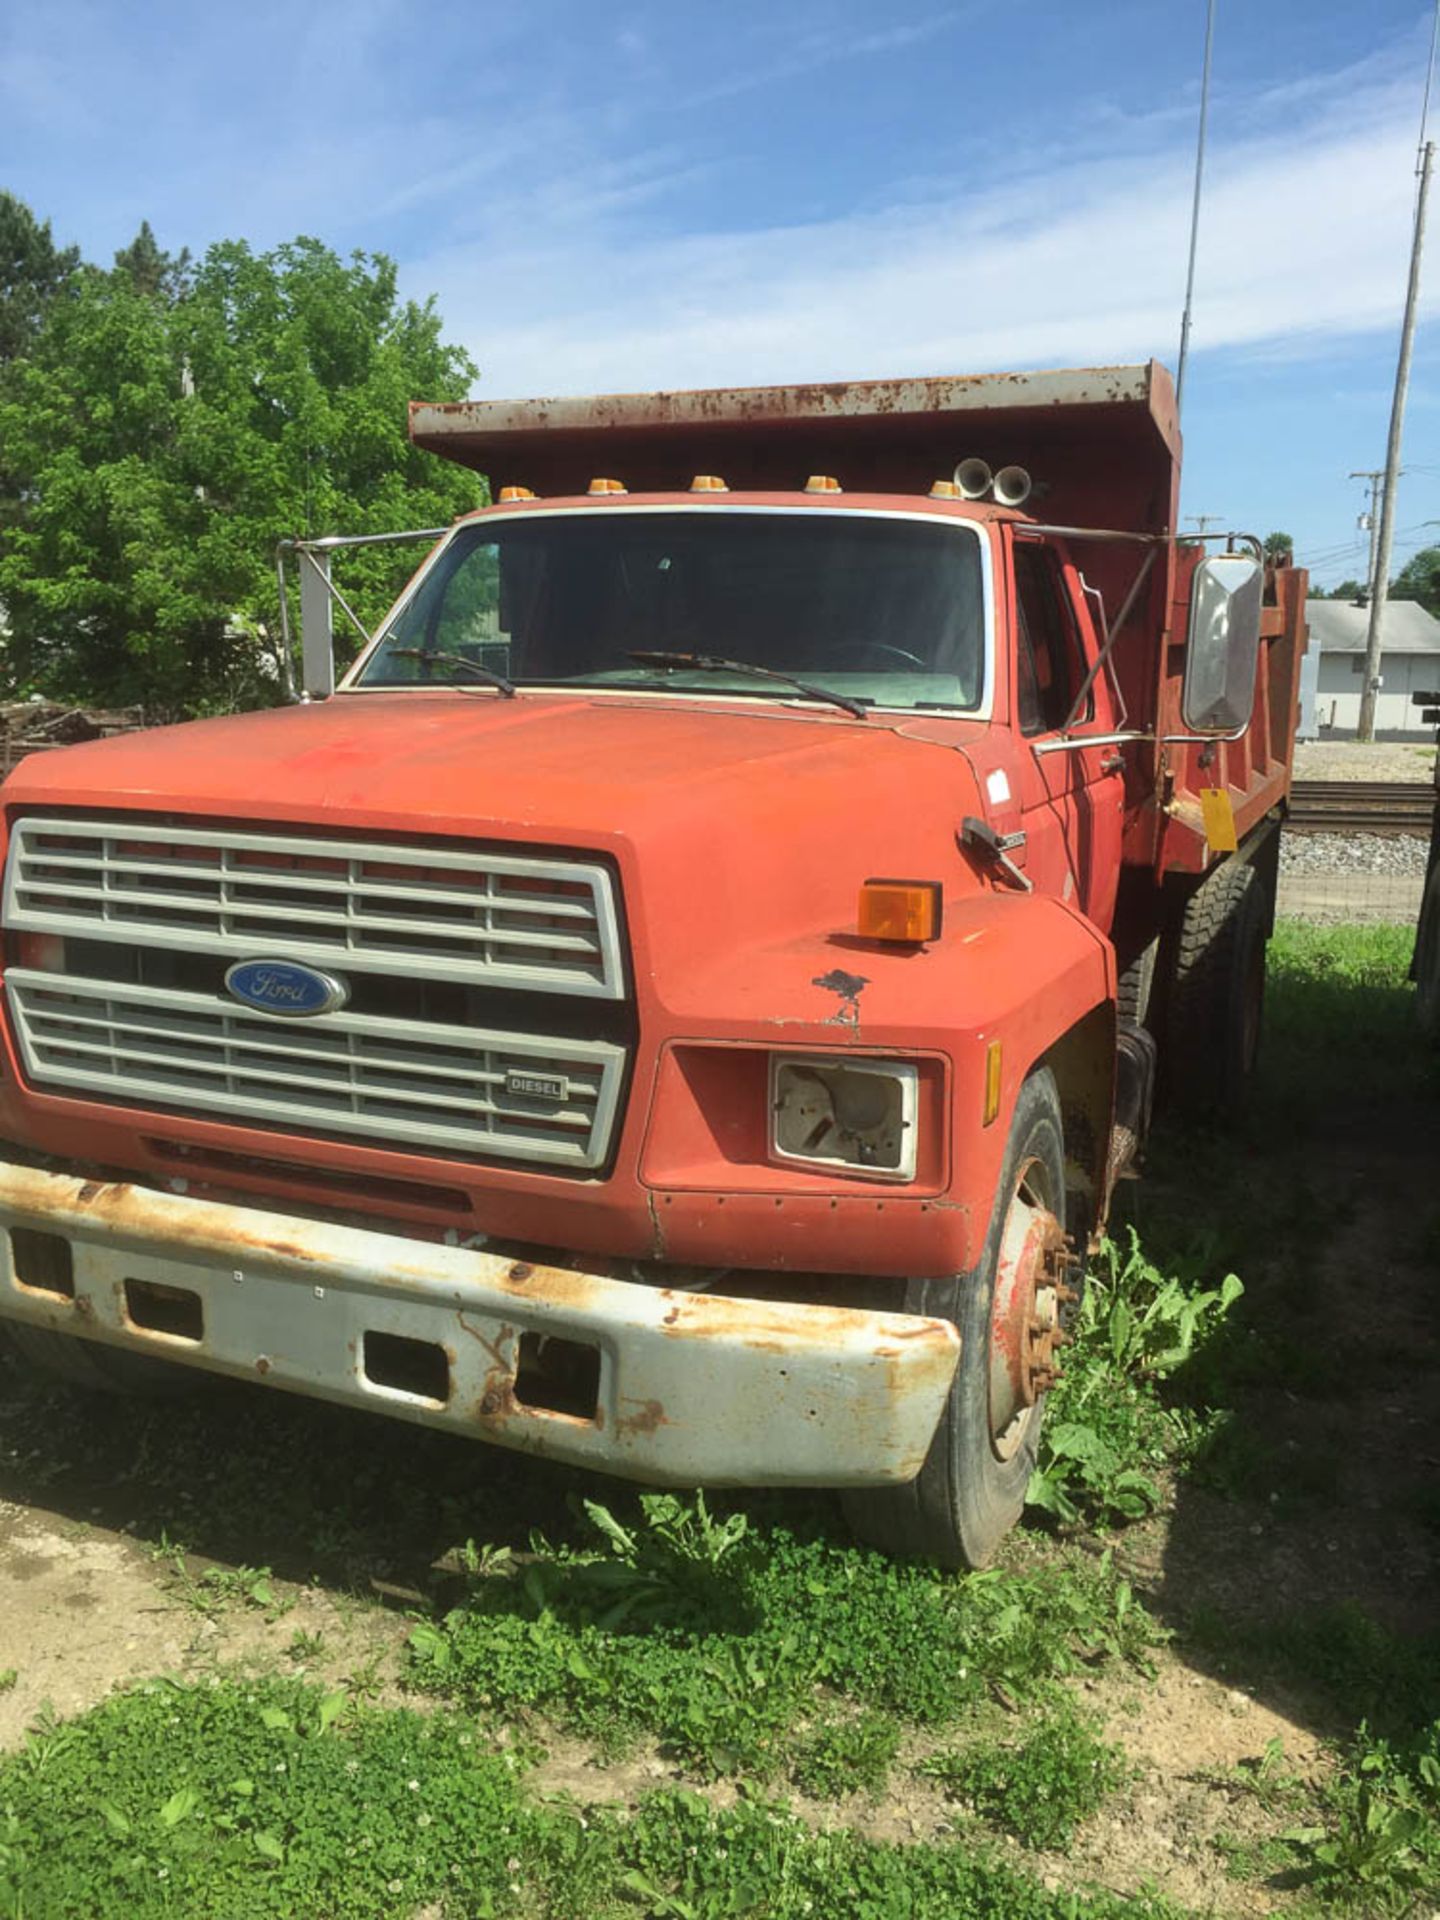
[(856, 1114)]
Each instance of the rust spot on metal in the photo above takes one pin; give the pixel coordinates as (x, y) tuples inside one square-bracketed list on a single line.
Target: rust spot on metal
[(671, 1317), (657, 1232), (84, 1307), (88, 1192), (522, 1271), (849, 986), (262, 1366), (648, 1417), (499, 1359)]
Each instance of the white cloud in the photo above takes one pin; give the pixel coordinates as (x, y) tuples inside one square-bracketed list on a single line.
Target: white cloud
[(1078, 258)]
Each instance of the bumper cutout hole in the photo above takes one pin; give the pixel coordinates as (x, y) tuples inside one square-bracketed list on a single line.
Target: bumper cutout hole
[(558, 1376), (416, 1367), (42, 1261), (155, 1308)]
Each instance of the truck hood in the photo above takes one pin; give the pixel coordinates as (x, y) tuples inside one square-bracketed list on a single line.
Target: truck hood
[(722, 819)]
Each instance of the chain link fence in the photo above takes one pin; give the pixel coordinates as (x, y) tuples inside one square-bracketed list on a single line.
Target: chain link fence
[(1337, 879)]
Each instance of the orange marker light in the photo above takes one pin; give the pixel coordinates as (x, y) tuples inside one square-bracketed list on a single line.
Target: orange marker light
[(992, 1082), (822, 483), (607, 486), (945, 490), (708, 483), (508, 494), (902, 910)]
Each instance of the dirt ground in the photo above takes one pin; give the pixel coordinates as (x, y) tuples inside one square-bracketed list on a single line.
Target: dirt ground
[(116, 1563)]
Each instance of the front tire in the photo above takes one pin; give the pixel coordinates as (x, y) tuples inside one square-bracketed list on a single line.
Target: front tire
[(94, 1366), (971, 1489)]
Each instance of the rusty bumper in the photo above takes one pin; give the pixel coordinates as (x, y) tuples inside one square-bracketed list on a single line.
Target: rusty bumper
[(662, 1385)]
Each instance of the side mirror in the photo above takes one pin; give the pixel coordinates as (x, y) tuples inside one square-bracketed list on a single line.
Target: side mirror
[(1224, 644), (317, 622)]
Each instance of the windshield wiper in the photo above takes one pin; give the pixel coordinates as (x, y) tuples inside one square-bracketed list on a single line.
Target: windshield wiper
[(431, 654), (713, 663)]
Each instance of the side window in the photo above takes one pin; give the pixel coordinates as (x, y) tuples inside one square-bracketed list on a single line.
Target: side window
[(1049, 662)]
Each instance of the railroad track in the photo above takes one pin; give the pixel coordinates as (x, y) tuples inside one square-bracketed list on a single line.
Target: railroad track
[(1361, 806)]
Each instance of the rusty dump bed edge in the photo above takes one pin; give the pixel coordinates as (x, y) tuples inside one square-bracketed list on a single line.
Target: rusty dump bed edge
[(687, 1388), (877, 434)]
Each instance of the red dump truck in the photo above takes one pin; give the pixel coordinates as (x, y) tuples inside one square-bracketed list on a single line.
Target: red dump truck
[(682, 1003)]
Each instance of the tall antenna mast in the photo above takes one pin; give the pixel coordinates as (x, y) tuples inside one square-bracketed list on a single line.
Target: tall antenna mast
[(1195, 208)]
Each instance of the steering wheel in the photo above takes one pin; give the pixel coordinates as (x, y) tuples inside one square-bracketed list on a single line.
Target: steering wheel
[(879, 646)]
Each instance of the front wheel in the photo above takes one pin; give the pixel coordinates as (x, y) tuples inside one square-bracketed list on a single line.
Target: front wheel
[(971, 1489), (97, 1367)]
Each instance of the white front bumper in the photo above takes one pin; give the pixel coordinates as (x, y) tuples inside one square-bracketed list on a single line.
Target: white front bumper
[(691, 1388)]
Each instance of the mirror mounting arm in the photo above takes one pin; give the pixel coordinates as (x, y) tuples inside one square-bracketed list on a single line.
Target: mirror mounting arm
[(1097, 665)]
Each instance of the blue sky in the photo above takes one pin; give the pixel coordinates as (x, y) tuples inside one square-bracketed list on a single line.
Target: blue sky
[(606, 195)]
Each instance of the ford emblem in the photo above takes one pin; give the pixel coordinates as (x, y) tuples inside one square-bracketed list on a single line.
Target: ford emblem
[(280, 986)]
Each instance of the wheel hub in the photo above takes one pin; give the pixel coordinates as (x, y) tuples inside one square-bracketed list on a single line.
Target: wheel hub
[(1031, 1290)]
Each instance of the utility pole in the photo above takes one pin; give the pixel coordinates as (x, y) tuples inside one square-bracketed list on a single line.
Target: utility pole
[(1370, 520), (1366, 728), (1204, 520)]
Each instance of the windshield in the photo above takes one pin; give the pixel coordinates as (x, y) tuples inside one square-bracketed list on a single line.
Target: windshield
[(889, 611)]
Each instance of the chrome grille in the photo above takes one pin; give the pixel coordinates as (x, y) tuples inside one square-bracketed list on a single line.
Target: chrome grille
[(481, 919), (428, 1086)]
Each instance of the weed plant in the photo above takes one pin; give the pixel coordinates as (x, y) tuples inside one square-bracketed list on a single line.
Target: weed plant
[(720, 1638), (1108, 1429), (849, 1753), (1040, 1785), (1368, 1841)]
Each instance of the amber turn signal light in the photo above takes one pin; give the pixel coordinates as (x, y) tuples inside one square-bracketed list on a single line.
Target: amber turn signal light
[(822, 483), (507, 494), (708, 483), (901, 910), (606, 486)]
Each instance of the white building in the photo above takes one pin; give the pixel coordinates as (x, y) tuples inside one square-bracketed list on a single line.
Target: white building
[(1409, 663)]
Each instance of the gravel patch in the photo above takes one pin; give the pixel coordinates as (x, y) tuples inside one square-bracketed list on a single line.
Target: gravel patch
[(1397, 853)]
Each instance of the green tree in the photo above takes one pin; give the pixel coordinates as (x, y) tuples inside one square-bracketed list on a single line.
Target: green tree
[(32, 271), (151, 270), (1419, 579), (1280, 546), (169, 444)]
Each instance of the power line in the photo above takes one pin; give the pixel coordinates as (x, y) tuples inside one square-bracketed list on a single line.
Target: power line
[(1370, 520)]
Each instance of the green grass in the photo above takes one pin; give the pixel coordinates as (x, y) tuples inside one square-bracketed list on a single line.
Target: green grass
[(240, 1799), (752, 1641), (849, 1753), (1041, 1784), (718, 1639)]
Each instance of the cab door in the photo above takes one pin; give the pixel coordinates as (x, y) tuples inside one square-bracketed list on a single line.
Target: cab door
[(1073, 785)]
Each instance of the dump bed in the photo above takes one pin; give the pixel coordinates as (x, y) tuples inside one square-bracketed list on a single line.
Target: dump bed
[(1102, 442)]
